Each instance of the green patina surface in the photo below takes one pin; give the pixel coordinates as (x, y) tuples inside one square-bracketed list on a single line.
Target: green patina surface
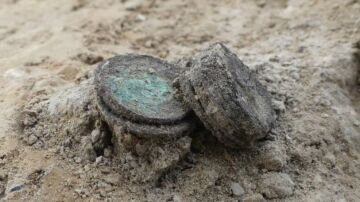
[(141, 92)]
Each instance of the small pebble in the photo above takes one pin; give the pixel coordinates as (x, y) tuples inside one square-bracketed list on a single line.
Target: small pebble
[(236, 189), (329, 159), (140, 18), (148, 44), (95, 135), (295, 75), (32, 139), (356, 123), (271, 158), (98, 159), (324, 115), (87, 168), (77, 160), (38, 144), (17, 188), (276, 185), (107, 152), (133, 5), (279, 105), (140, 149)]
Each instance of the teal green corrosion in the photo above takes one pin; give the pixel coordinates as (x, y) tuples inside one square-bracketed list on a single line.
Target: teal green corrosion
[(143, 93)]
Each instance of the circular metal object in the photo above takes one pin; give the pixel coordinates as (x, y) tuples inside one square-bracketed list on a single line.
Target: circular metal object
[(227, 97), (135, 94), (138, 88), (144, 130)]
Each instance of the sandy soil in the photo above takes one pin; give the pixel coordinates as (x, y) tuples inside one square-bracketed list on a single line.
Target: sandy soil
[(305, 52)]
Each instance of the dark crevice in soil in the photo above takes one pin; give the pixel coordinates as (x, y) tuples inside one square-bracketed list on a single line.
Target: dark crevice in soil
[(105, 140), (355, 91), (357, 61)]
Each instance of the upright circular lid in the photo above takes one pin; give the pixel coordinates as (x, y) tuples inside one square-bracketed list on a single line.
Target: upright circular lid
[(139, 88), (227, 97)]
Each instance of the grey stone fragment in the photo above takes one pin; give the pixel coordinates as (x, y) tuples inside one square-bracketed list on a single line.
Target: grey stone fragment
[(32, 139), (279, 106), (133, 5), (87, 149), (17, 188), (227, 97), (236, 189), (98, 159), (107, 152), (95, 135), (271, 157), (276, 185)]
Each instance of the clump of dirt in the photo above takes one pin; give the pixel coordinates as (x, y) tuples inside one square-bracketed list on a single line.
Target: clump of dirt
[(69, 121), (66, 119)]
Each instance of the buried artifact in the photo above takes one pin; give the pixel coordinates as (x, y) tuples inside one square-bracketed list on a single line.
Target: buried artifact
[(227, 97), (136, 98), (135, 94)]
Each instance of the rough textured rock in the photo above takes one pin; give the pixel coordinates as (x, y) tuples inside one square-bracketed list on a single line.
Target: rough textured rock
[(146, 160), (227, 97), (272, 157), (65, 120), (236, 189), (87, 150), (276, 185)]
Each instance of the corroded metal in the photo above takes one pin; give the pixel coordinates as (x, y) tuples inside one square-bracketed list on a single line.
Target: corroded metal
[(136, 95), (227, 97), (138, 88)]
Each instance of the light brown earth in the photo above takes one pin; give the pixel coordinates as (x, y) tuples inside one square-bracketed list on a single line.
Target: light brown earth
[(305, 52)]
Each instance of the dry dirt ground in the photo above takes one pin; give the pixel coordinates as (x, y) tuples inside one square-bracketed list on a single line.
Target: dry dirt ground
[(305, 52)]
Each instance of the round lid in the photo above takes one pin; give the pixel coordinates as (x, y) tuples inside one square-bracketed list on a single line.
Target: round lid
[(227, 97), (143, 130), (139, 88)]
